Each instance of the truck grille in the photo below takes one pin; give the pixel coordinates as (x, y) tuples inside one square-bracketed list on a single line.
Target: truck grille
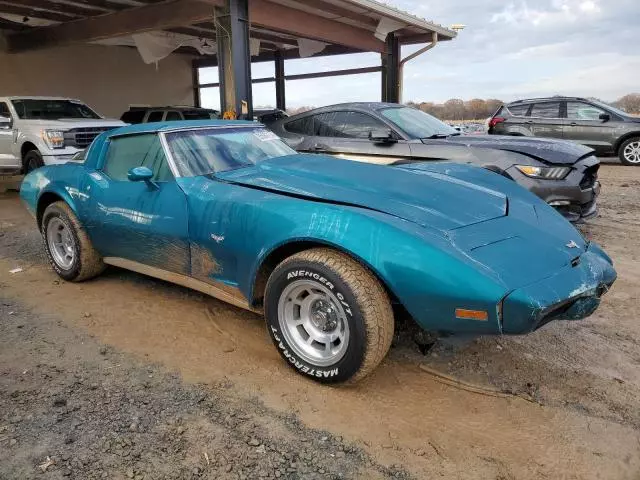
[(82, 137), (590, 177)]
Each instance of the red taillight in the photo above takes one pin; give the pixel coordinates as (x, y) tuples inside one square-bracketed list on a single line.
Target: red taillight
[(495, 120)]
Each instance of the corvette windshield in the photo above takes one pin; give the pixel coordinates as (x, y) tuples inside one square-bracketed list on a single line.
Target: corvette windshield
[(212, 150), (418, 124)]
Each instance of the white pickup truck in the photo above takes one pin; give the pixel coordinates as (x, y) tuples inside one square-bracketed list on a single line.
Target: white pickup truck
[(36, 131)]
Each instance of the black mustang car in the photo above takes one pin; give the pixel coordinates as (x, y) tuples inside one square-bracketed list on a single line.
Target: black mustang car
[(562, 173)]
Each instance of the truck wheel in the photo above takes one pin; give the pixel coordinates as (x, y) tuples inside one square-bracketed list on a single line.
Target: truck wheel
[(329, 316), (629, 151), (68, 247), (32, 160)]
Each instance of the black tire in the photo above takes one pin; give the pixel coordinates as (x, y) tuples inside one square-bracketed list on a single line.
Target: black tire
[(621, 151), (364, 302), (32, 160), (87, 263)]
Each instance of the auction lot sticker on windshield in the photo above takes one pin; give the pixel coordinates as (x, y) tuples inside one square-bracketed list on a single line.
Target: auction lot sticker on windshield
[(265, 135)]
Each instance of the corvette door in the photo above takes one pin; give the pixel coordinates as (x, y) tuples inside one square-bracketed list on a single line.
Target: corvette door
[(138, 221)]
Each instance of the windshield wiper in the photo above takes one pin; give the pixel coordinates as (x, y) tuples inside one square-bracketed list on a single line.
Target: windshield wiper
[(443, 135)]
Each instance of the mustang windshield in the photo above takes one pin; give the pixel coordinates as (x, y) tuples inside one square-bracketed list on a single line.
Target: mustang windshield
[(418, 124), (212, 150)]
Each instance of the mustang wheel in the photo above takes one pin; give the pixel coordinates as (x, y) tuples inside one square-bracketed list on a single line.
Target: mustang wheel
[(67, 245), (630, 152), (329, 316)]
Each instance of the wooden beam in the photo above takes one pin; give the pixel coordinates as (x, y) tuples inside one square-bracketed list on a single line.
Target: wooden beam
[(15, 26), (112, 5), (64, 8), (194, 32), (307, 76), (145, 18), (340, 12), (275, 39), (306, 25), (420, 38), (180, 14), (269, 56), (35, 13)]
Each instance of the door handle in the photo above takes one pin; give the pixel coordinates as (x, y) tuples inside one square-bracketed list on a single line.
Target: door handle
[(319, 148), (573, 124), (529, 122)]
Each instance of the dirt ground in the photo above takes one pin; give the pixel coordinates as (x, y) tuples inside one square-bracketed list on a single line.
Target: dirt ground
[(128, 377)]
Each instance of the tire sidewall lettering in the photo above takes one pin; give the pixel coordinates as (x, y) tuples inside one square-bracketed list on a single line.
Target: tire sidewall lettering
[(297, 274), (299, 365), (327, 277)]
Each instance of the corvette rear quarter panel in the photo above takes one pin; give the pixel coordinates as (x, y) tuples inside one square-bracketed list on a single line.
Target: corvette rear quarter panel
[(241, 226), (61, 180)]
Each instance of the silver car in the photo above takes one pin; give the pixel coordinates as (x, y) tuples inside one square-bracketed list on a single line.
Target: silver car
[(564, 174)]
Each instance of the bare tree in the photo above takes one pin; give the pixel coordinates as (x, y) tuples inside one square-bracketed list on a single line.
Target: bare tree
[(630, 103)]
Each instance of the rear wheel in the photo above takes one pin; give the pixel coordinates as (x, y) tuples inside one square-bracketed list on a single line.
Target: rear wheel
[(629, 151), (32, 160), (329, 316), (68, 247)]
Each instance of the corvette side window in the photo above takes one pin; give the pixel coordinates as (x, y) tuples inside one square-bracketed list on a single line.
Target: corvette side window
[(132, 151)]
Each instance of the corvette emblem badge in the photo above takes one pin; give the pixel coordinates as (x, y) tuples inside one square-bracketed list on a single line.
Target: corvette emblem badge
[(572, 244)]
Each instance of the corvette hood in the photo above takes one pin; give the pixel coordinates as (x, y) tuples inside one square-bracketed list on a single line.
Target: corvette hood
[(432, 199), (544, 149)]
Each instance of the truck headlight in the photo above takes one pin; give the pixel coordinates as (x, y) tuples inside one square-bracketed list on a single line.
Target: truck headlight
[(548, 173), (53, 138)]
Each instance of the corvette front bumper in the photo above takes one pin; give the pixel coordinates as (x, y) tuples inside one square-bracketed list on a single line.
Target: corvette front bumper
[(572, 293)]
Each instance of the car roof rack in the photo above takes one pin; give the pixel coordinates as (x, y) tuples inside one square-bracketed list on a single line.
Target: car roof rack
[(555, 97), (159, 107)]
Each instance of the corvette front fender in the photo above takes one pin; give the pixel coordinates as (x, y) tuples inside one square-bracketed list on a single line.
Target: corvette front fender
[(423, 274)]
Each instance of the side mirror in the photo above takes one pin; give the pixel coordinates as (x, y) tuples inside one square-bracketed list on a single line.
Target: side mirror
[(382, 136), (141, 174), (605, 117), (5, 123)]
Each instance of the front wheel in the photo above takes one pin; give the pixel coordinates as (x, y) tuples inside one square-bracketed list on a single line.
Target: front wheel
[(32, 160), (328, 315), (629, 152)]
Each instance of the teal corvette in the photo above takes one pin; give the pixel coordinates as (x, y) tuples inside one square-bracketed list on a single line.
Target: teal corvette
[(324, 247)]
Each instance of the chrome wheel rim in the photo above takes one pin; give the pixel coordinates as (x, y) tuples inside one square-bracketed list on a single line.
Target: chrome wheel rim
[(632, 152), (61, 243), (313, 322)]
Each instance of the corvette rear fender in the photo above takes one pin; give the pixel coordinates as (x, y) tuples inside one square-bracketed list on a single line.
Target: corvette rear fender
[(38, 192)]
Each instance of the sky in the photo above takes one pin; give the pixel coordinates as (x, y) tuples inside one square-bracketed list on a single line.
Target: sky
[(508, 50)]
